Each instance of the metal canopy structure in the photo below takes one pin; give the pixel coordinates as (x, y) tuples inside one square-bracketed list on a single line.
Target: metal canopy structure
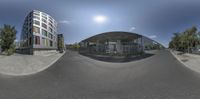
[(113, 43), (113, 36)]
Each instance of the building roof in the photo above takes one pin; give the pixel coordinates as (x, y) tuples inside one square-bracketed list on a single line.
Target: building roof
[(111, 36)]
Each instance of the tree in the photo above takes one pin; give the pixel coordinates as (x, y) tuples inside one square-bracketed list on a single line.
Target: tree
[(190, 36), (185, 41), (176, 41), (8, 35), (75, 46)]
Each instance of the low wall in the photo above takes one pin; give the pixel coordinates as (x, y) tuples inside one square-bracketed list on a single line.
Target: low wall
[(31, 51), (44, 52), (24, 51)]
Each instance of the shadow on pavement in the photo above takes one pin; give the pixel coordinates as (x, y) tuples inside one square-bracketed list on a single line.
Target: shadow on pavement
[(117, 59)]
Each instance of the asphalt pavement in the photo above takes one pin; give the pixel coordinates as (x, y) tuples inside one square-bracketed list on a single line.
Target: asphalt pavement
[(75, 76)]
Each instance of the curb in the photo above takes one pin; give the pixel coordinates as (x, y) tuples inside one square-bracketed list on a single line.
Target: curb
[(187, 66), (178, 58), (37, 71)]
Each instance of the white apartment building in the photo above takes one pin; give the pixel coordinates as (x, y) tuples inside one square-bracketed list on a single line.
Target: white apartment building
[(39, 33)]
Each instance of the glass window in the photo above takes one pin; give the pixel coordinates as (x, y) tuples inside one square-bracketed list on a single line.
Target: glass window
[(54, 37), (36, 17), (50, 18), (44, 14), (35, 11), (51, 43), (36, 22), (47, 42), (44, 20), (44, 25), (37, 14), (30, 41), (51, 30), (43, 41), (44, 17), (36, 29), (50, 36), (50, 21), (50, 24), (44, 32), (37, 40)]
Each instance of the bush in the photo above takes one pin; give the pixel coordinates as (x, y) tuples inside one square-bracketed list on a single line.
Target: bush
[(10, 51)]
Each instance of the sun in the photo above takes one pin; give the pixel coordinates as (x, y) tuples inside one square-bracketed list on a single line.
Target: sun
[(100, 19)]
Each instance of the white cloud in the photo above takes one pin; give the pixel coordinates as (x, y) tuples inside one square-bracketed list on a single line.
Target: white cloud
[(131, 29), (152, 36), (64, 22)]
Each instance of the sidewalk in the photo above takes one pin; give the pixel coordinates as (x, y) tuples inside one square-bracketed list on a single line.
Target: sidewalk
[(191, 61), (19, 65)]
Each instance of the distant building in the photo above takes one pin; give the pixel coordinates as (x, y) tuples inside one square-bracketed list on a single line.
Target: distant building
[(60, 40), (39, 33)]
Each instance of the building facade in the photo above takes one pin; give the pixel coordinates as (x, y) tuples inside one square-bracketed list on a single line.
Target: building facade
[(39, 33)]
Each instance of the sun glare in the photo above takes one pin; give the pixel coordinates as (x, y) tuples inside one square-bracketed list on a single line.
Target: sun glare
[(100, 19)]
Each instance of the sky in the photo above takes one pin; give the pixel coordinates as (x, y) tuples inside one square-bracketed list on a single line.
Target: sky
[(156, 19)]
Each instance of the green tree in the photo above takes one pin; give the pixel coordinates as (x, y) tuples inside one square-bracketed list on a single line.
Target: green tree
[(185, 41), (190, 37), (75, 46), (8, 35), (175, 41)]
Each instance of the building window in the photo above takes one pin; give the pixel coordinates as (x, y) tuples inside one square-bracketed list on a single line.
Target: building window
[(44, 20), (54, 37), (36, 29), (47, 42), (36, 22), (50, 18), (30, 30), (44, 25), (51, 30), (35, 11), (37, 14), (51, 43), (30, 41), (50, 36), (50, 21), (51, 25), (37, 40), (36, 17), (44, 32), (44, 14), (44, 17), (43, 41)]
